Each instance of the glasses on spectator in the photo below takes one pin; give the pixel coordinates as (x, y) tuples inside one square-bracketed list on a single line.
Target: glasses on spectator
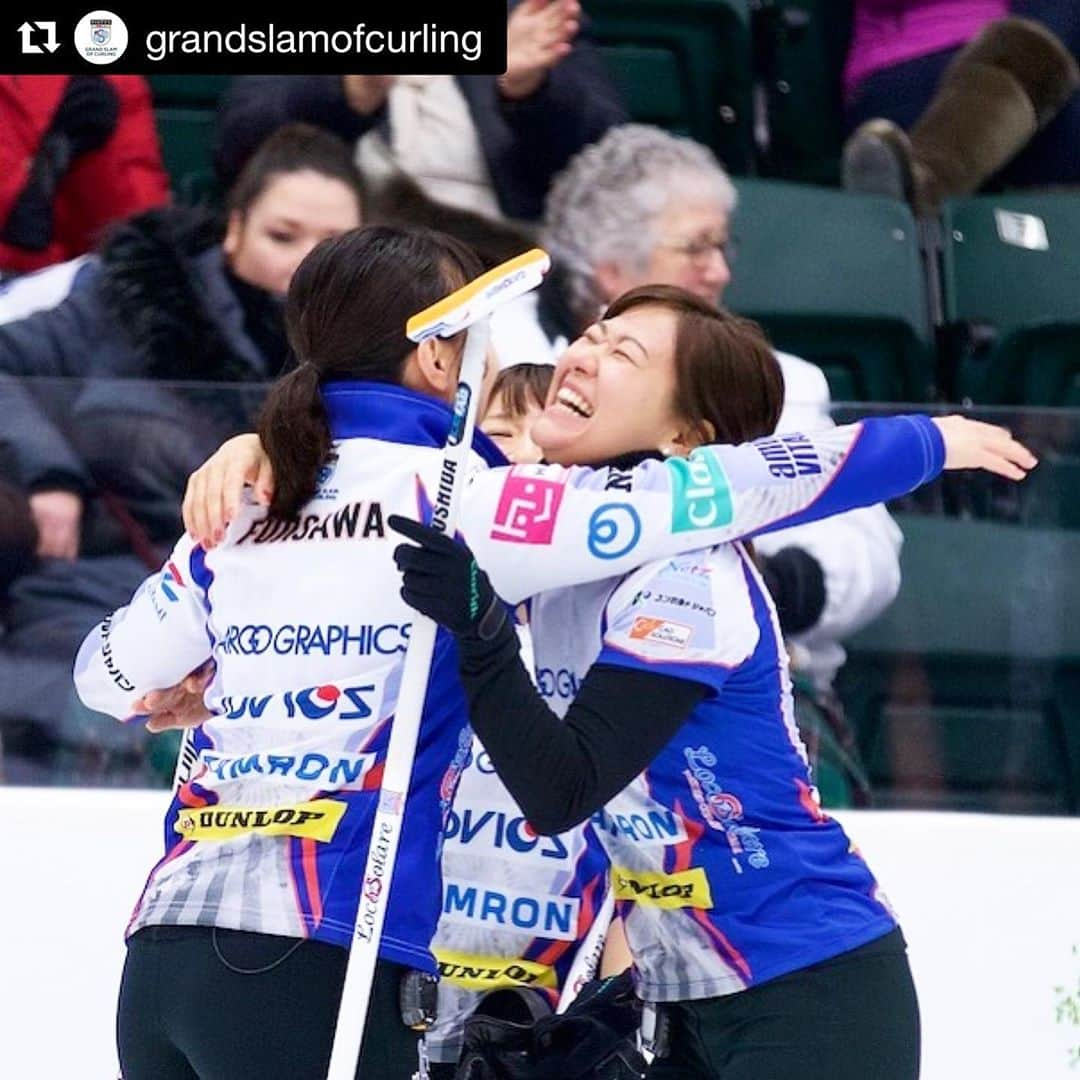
[(699, 250)]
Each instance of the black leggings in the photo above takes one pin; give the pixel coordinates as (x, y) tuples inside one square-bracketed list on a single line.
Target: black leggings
[(854, 1017), (198, 1003)]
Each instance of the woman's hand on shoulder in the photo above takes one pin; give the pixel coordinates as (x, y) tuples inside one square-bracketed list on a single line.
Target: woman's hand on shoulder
[(215, 489), (973, 444)]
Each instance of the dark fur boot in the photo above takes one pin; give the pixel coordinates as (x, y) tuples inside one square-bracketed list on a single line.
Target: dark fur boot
[(1001, 88)]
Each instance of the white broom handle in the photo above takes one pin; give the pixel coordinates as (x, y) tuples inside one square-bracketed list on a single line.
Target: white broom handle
[(404, 731), (590, 952)]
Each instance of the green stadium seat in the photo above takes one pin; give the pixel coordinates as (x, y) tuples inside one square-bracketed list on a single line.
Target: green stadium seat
[(190, 91), (185, 109), (187, 140), (685, 65), (1011, 274), (965, 692), (802, 45), (1050, 496), (837, 279)]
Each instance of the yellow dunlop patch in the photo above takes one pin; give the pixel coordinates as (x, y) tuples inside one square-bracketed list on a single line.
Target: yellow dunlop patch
[(491, 972), (317, 819), (688, 888)]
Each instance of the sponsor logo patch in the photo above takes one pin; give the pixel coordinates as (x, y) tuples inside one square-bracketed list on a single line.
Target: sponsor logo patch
[(688, 888), (313, 703), (700, 493), (298, 639), (171, 582), (614, 530), (557, 682), (528, 509), (722, 810), (473, 972), (476, 903), (324, 480), (316, 820), (661, 632), (656, 827), (489, 832), (337, 771), (117, 676), (789, 456)]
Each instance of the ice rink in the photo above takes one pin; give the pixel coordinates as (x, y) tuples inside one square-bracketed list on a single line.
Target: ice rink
[(990, 907)]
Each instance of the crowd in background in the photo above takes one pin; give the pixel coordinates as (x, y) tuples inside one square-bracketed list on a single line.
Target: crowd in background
[(122, 309)]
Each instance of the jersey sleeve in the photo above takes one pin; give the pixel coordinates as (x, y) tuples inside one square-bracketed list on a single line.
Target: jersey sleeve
[(153, 642), (691, 617), (534, 528)]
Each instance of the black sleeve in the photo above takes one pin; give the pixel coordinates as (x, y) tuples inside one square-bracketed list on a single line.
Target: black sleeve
[(576, 104), (255, 106), (562, 771)]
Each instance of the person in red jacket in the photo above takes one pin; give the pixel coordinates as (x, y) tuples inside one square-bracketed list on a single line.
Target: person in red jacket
[(78, 152)]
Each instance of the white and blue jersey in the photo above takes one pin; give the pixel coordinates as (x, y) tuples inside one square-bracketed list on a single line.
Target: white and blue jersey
[(725, 870), (516, 906), (271, 819)]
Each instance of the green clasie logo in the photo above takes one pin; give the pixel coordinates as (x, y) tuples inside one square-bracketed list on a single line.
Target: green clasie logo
[(700, 493)]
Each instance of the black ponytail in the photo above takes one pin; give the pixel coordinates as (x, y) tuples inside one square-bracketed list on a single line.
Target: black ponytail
[(296, 437)]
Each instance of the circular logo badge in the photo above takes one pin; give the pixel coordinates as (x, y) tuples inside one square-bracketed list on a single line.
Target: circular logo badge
[(101, 37), (614, 530)]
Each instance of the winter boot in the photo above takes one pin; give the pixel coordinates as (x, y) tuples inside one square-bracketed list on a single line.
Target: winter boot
[(1001, 88)]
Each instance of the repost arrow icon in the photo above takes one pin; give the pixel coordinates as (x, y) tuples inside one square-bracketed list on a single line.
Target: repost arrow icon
[(27, 30)]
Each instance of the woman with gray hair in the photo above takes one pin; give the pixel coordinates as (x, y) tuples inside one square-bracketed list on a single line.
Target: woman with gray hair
[(643, 206), (639, 206), (640, 202)]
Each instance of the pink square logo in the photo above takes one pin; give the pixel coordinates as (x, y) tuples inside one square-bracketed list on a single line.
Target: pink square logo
[(527, 511)]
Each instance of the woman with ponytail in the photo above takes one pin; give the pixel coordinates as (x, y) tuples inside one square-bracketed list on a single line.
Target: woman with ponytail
[(252, 909)]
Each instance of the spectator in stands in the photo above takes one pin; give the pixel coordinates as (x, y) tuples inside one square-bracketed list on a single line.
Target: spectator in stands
[(172, 299), (944, 95), (643, 206), (483, 143), (78, 152)]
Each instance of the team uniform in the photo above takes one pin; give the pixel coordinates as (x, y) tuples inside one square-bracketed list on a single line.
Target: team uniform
[(726, 871), (307, 633), (516, 906), (271, 818)]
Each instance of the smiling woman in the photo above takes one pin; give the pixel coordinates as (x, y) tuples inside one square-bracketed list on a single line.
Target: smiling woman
[(649, 375), (677, 699)]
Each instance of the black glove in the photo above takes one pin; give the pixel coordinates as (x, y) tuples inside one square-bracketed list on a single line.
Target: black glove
[(796, 583), (84, 120), (442, 581)]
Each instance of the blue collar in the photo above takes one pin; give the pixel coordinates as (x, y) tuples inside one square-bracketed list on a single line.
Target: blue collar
[(370, 410)]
